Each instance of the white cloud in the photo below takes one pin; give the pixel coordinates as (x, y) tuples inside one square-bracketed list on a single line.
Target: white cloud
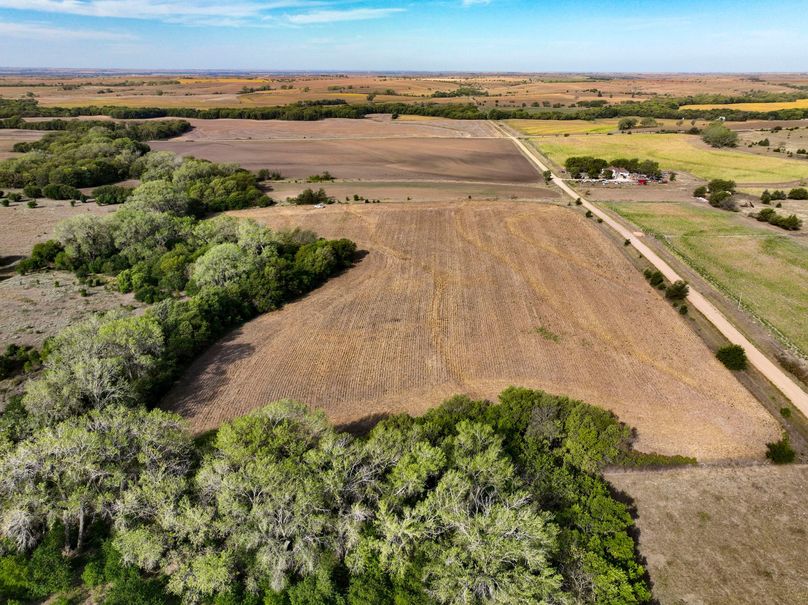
[(475, 2), (39, 30), (239, 13), (196, 12), (332, 16)]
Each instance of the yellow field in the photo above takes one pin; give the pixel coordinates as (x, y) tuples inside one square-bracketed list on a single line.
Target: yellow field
[(799, 104), (680, 152), (553, 127)]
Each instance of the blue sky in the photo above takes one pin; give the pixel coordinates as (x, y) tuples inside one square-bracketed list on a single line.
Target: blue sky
[(433, 35)]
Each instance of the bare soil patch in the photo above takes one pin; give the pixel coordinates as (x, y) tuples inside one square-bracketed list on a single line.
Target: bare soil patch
[(456, 298), (495, 160), (8, 137), (379, 126), (723, 536), (418, 191)]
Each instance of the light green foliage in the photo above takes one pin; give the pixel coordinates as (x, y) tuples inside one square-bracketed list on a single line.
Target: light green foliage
[(103, 360), (718, 135), (141, 234), (221, 265), (159, 196), (75, 471), (85, 237), (281, 489)]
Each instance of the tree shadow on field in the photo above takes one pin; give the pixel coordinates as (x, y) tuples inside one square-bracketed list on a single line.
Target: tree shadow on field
[(362, 426), (214, 364)]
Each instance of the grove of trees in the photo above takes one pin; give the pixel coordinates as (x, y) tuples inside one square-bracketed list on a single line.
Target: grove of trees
[(472, 503)]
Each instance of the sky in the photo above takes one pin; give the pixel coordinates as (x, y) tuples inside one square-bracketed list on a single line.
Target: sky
[(428, 35)]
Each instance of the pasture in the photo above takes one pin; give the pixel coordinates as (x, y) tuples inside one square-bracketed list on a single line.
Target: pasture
[(722, 536), (470, 298), (765, 268), (679, 152)]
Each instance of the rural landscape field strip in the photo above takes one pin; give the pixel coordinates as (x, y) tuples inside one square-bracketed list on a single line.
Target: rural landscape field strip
[(765, 271), (722, 535), (680, 152), (470, 298), (772, 372)]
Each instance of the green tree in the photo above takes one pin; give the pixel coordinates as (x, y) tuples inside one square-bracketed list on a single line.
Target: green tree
[(74, 472), (718, 135)]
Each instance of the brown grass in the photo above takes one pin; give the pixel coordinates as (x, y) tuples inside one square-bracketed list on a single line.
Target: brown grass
[(723, 536), (22, 227), (39, 305), (449, 300)]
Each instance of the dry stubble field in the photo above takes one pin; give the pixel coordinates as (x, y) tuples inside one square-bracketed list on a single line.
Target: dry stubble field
[(453, 298), (723, 536), (370, 149)]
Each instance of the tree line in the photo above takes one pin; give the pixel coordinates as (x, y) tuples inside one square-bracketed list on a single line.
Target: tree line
[(667, 107), (472, 503)]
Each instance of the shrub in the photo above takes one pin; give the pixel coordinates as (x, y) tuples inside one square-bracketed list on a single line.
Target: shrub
[(61, 192), (4, 203), (32, 190), (311, 197), (781, 452), (319, 178), (15, 197), (733, 357), (31, 204), (718, 135), (627, 123), (683, 310), (798, 193), (678, 290), (766, 197), (700, 191), (717, 185), (588, 214), (111, 194)]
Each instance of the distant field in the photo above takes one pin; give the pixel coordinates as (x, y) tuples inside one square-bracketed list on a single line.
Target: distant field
[(553, 127), (777, 106), (470, 298), (768, 271), (679, 152), (722, 536)]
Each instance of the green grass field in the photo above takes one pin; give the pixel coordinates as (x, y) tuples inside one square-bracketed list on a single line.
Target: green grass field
[(539, 128), (680, 152), (767, 271)]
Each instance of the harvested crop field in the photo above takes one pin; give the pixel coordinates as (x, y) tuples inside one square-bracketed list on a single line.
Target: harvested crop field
[(23, 227), (495, 160), (471, 298), (723, 536), (336, 128), (419, 191), (375, 148)]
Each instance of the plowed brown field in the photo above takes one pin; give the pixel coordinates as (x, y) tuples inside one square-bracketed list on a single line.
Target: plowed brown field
[(470, 298), (493, 160)]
